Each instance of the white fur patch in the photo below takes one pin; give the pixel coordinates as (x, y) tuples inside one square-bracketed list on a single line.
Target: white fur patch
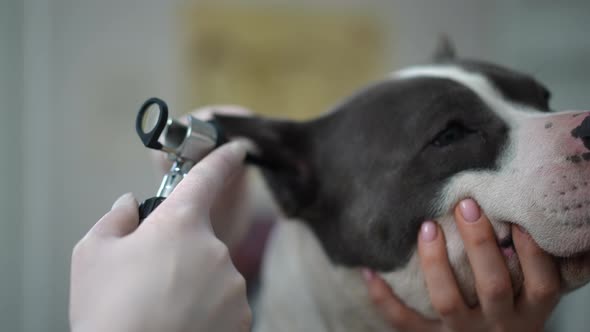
[(510, 112)]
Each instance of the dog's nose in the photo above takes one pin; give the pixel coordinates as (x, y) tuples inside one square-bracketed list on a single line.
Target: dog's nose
[(583, 132)]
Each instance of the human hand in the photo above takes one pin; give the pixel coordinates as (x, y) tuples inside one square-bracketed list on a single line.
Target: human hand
[(498, 309), (230, 215), (169, 274)]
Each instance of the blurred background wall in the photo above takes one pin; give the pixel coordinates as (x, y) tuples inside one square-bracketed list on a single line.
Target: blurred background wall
[(11, 101), (73, 72)]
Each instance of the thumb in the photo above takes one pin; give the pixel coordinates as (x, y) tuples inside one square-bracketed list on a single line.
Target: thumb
[(391, 308), (121, 220), (200, 188)]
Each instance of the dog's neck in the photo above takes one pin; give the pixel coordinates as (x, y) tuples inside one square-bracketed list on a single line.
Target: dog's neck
[(301, 280)]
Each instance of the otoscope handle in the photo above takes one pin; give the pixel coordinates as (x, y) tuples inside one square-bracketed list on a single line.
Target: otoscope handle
[(148, 206)]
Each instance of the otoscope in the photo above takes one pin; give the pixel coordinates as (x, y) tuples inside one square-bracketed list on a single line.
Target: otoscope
[(185, 143)]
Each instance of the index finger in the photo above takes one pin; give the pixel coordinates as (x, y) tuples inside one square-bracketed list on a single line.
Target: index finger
[(440, 279), (492, 279), (196, 193)]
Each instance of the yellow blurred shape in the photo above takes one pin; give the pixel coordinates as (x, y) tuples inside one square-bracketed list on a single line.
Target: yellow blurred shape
[(286, 62)]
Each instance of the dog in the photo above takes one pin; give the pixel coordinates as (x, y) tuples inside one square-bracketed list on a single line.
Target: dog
[(358, 181)]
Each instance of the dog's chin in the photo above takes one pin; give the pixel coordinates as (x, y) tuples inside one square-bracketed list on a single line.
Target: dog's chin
[(574, 269), (571, 251), (507, 246)]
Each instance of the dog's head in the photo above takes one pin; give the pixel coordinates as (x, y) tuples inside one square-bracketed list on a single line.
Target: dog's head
[(365, 175)]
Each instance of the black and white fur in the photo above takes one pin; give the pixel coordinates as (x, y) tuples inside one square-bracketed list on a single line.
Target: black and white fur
[(359, 181)]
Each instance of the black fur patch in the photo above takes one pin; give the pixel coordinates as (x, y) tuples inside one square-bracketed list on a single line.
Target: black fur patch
[(583, 132), (514, 86), (574, 159)]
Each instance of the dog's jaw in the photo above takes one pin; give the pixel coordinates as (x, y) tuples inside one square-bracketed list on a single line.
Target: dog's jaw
[(409, 283)]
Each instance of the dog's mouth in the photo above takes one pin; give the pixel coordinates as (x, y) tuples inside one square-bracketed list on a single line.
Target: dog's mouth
[(507, 246), (574, 269)]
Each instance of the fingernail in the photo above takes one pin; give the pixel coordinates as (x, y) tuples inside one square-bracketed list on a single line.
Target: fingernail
[(469, 210), (125, 199), (238, 146), (428, 231), (368, 274)]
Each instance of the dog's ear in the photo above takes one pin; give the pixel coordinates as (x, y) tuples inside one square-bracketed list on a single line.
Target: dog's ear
[(445, 50), (282, 154)]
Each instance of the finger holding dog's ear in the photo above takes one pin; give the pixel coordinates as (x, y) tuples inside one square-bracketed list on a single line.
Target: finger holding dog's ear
[(541, 287), (193, 198), (492, 280)]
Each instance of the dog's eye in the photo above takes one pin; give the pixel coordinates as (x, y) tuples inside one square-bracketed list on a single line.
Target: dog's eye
[(454, 132)]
